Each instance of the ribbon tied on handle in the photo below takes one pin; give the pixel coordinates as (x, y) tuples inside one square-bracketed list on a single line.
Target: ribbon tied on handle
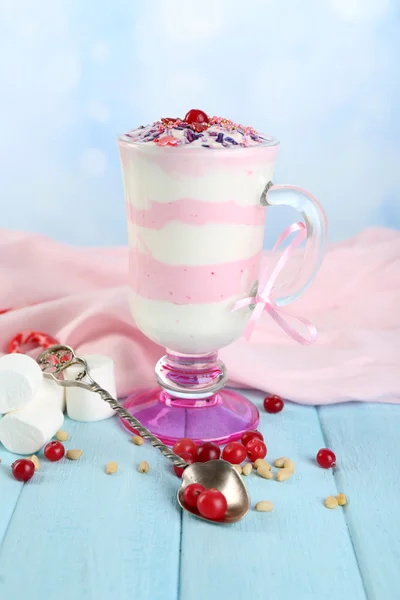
[(263, 299)]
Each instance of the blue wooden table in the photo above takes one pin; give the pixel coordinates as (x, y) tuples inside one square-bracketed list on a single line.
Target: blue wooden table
[(75, 533)]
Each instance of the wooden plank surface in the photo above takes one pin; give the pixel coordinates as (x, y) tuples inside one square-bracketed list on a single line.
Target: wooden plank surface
[(299, 551), (366, 439), (10, 490), (79, 533)]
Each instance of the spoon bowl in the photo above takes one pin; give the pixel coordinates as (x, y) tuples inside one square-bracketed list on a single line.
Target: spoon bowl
[(222, 476)]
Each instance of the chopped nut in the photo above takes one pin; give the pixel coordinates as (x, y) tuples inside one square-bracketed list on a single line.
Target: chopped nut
[(137, 440), (264, 506), (35, 461), (62, 436), (144, 467), (341, 499), (74, 454), (264, 472), (261, 461), (284, 474), (111, 467), (331, 502), (247, 469), (284, 463), (238, 468)]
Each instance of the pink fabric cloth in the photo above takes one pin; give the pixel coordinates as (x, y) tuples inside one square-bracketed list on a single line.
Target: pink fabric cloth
[(79, 295)]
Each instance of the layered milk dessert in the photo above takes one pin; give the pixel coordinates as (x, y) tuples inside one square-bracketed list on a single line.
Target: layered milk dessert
[(193, 191)]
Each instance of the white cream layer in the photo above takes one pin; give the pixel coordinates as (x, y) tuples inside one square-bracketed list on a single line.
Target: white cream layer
[(194, 328), (183, 244), (146, 182)]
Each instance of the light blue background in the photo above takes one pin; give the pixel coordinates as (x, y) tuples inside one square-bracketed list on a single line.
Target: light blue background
[(322, 75)]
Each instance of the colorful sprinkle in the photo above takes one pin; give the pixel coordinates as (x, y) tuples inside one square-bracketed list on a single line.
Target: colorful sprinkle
[(217, 132), (200, 126), (166, 140)]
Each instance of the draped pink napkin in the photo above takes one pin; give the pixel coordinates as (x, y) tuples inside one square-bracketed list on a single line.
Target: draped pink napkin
[(79, 295)]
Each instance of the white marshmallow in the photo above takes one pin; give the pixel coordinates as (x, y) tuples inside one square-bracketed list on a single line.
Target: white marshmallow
[(27, 430), (83, 405), (20, 379), (53, 393)]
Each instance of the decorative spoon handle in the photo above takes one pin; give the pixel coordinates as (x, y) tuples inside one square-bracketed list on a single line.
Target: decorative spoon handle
[(57, 359)]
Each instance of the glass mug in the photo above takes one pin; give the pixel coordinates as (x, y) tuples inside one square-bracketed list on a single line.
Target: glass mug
[(196, 228)]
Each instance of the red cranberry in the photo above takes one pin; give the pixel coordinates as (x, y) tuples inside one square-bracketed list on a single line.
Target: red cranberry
[(249, 435), (326, 458), (212, 504), (273, 404), (186, 446), (23, 469), (189, 458), (196, 116), (234, 453), (207, 451), (256, 449), (54, 451), (191, 494)]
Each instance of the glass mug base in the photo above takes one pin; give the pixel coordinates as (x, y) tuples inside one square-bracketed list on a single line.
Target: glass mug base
[(220, 418)]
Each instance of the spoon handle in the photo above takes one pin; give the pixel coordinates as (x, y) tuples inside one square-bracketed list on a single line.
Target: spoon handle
[(56, 360), (145, 433)]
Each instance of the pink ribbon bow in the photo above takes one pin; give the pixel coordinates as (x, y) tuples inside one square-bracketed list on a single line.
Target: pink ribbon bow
[(263, 300)]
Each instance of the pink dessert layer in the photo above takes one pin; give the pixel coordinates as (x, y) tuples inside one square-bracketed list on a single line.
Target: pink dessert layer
[(195, 212), (183, 285)]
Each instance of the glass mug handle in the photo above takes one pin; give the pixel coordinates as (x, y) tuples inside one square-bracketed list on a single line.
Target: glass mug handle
[(316, 227)]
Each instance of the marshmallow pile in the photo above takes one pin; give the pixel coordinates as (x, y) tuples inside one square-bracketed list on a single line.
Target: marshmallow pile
[(33, 406)]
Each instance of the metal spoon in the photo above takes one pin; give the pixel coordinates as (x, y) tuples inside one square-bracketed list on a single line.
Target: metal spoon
[(217, 474)]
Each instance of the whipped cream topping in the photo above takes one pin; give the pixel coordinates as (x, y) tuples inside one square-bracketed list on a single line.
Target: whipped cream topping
[(216, 132)]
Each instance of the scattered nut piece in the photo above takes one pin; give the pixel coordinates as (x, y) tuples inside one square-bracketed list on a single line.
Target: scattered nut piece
[(331, 502), (74, 454), (341, 499), (144, 467), (35, 461), (264, 506), (264, 471), (247, 469), (238, 468), (284, 474), (261, 461), (62, 436), (137, 440), (284, 463), (111, 467)]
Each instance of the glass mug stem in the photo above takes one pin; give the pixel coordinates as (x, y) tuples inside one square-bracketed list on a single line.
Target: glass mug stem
[(190, 377)]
